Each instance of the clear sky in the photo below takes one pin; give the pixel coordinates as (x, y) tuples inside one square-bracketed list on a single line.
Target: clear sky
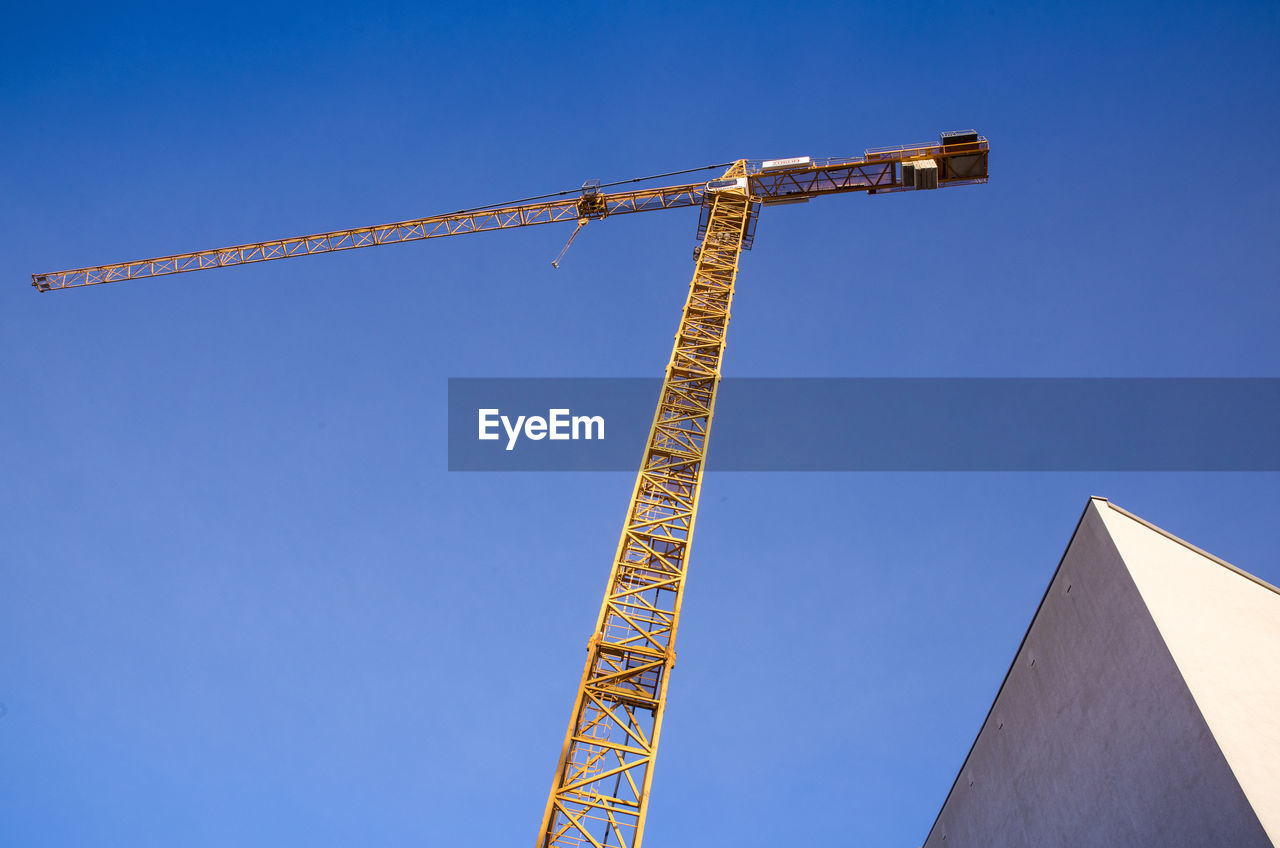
[(242, 602)]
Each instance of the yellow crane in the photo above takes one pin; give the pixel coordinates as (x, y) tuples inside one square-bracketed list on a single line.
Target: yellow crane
[(600, 790)]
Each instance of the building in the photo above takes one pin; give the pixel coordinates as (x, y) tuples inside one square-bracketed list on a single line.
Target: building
[(1142, 708)]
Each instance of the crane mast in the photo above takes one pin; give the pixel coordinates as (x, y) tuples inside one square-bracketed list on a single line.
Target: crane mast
[(600, 789), (601, 786)]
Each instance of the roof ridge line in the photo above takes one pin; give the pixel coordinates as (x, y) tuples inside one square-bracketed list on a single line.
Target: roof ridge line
[(1188, 545)]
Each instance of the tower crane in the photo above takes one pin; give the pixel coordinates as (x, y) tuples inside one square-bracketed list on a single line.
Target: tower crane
[(600, 789)]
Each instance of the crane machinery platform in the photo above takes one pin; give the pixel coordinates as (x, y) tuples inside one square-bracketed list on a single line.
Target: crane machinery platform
[(603, 775)]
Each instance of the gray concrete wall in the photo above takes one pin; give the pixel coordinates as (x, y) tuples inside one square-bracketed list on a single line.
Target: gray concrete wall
[(1094, 738)]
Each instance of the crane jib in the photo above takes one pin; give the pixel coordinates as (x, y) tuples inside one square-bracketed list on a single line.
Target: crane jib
[(957, 159), (436, 226)]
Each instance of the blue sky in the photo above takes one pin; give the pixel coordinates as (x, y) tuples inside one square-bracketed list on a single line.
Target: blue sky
[(243, 602)]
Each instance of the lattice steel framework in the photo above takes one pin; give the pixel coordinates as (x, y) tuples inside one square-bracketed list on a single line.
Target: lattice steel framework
[(878, 170), (457, 223), (600, 791)]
